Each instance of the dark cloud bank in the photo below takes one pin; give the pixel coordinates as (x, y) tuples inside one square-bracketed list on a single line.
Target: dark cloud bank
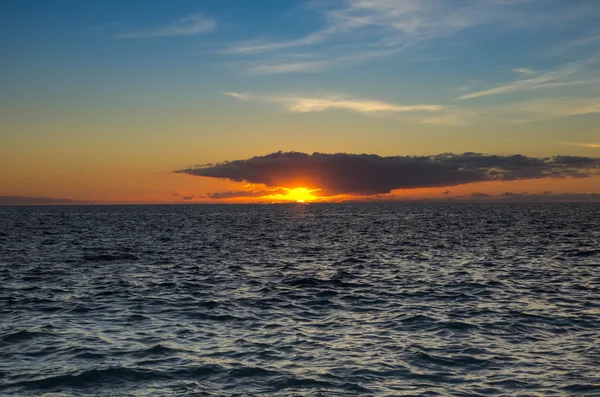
[(369, 174), (243, 193)]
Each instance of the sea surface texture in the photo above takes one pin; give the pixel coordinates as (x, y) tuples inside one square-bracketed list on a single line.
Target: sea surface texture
[(300, 300)]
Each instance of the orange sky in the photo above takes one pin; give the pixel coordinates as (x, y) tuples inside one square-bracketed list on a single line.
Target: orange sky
[(85, 179), (89, 112)]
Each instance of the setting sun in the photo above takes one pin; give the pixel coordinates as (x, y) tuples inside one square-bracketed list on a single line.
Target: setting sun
[(301, 194), (297, 194)]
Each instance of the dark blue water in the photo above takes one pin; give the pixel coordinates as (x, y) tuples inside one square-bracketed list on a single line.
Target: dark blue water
[(300, 300)]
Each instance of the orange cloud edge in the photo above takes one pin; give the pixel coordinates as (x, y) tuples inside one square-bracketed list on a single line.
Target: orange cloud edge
[(487, 191)]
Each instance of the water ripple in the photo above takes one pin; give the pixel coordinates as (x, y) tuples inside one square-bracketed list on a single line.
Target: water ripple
[(317, 300)]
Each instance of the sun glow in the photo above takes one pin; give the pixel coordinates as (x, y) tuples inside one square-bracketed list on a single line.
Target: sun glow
[(297, 194)]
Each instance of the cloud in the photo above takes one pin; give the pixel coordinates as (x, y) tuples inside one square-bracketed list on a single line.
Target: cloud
[(539, 80), (516, 112), (304, 105), (280, 68), (549, 197), (320, 104), (238, 95), (589, 40), (42, 200), (369, 174), (577, 44), (552, 108), (511, 194), (244, 193), (525, 71), (190, 25), (365, 29), (452, 117), (584, 144), (255, 47), (388, 22)]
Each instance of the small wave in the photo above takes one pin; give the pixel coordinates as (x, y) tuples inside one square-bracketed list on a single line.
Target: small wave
[(316, 282), (419, 318), (21, 335), (157, 350), (582, 253), (582, 388), (456, 326), (110, 376), (110, 257), (428, 300), (309, 383), (466, 361), (245, 372), (350, 261), (90, 378)]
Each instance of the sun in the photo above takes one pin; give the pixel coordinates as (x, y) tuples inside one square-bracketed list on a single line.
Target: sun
[(301, 195)]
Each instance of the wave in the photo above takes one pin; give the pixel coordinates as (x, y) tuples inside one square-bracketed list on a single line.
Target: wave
[(111, 257)]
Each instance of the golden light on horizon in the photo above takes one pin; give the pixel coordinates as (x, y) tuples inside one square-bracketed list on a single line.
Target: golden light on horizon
[(297, 194)]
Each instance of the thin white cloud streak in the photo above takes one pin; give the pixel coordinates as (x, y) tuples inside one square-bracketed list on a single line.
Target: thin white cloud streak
[(238, 95), (549, 79), (393, 25), (457, 118), (280, 68), (190, 25), (288, 62), (525, 71), (319, 104), (518, 112), (587, 42), (582, 42), (559, 107), (514, 113), (305, 105), (257, 47), (587, 145)]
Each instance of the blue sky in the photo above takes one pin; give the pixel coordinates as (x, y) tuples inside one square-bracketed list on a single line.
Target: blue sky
[(450, 53), (204, 81)]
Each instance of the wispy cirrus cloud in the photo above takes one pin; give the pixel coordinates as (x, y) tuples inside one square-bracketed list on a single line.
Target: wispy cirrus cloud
[(387, 22), (553, 108), (287, 67), (257, 46), (363, 29), (515, 112), (590, 145), (435, 114), (302, 104), (525, 71), (238, 95), (190, 25), (560, 77), (586, 41)]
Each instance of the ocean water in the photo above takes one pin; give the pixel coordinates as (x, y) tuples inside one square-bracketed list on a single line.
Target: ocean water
[(300, 300)]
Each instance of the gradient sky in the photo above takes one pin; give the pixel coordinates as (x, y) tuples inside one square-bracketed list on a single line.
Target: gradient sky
[(102, 100)]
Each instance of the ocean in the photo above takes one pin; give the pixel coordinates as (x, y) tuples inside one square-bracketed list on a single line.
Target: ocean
[(300, 300)]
